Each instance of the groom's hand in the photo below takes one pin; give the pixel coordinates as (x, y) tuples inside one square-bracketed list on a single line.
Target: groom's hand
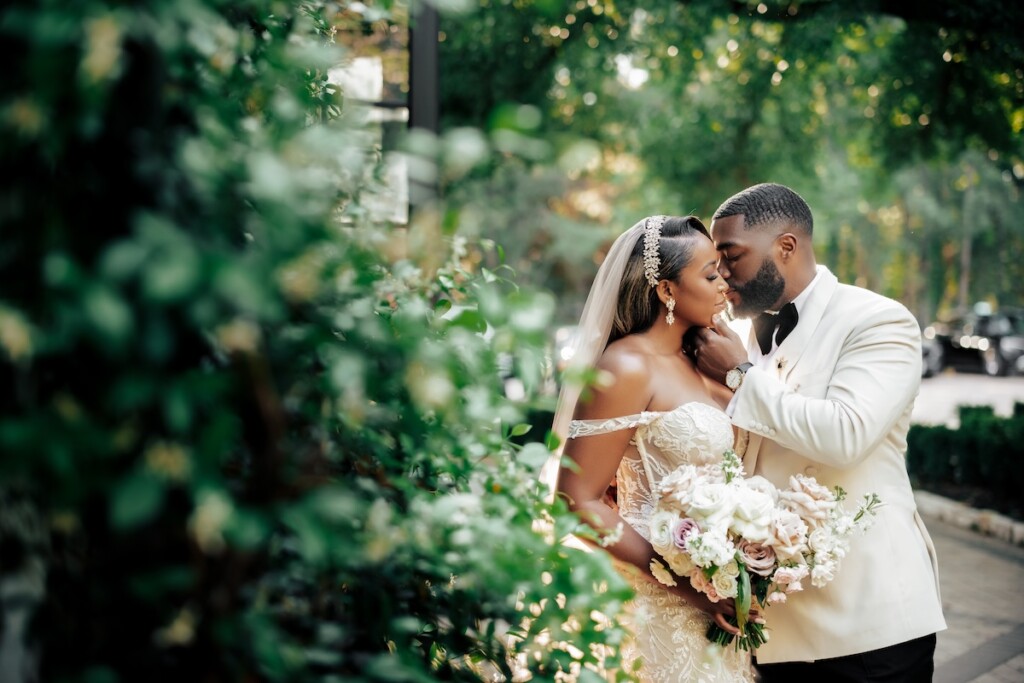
[(718, 350)]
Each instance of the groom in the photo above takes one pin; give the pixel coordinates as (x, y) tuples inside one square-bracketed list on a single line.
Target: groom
[(825, 389)]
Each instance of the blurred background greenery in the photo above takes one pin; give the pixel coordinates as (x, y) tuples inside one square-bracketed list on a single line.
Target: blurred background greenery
[(900, 122), (269, 362)]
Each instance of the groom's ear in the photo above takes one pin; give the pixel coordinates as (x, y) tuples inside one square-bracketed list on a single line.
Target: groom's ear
[(787, 244)]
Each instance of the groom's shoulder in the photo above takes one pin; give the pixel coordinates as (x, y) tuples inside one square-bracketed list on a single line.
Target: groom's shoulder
[(865, 303)]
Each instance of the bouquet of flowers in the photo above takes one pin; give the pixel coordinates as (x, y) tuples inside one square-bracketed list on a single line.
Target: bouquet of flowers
[(745, 539)]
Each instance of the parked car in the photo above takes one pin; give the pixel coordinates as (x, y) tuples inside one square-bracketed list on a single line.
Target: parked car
[(932, 361), (990, 341)]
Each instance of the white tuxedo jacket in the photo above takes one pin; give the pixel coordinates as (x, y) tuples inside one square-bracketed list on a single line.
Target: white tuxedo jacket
[(836, 405)]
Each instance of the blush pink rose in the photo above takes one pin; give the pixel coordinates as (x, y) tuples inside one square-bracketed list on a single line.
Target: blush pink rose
[(759, 558), (788, 534), (808, 499), (684, 529), (789, 578), (702, 584)]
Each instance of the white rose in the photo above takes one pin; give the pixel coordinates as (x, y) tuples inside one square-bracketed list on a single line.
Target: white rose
[(661, 530), (713, 504), (677, 488), (725, 584), (759, 483), (822, 540), (680, 563), (753, 515), (681, 475)]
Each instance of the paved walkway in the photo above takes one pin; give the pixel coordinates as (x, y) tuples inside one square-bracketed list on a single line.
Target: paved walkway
[(983, 600), (982, 578)]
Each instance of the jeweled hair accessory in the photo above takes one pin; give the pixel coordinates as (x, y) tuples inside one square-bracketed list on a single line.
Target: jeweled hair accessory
[(652, 238)]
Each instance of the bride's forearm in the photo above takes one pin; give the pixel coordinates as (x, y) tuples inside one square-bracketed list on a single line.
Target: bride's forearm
[(634, 549), (630, 547)]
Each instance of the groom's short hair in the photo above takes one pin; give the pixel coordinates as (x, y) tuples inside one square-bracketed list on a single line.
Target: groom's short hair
[(768, 204)]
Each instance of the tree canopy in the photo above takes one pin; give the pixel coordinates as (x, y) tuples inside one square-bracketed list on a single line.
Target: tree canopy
[(854, 104)]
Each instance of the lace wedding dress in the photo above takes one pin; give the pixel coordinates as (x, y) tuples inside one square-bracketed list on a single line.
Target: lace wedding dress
[(668, 636)]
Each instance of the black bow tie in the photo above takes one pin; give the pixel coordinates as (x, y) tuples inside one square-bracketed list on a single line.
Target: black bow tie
[(766, 324)]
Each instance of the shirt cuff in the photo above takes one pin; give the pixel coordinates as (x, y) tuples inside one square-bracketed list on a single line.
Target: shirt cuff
[(731, 408)]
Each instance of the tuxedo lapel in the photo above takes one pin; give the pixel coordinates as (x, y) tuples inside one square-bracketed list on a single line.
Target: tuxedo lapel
[(792, 348)]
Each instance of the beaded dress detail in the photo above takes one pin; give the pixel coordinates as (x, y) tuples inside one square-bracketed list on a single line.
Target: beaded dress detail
[(668, 635)]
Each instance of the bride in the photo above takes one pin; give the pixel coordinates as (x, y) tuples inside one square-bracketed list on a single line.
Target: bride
[(649, 412)]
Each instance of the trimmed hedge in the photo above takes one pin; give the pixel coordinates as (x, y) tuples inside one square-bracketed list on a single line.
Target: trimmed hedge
[(986, 452)]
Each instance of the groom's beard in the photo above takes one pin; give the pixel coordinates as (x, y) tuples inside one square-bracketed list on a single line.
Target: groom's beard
[(761, 293)]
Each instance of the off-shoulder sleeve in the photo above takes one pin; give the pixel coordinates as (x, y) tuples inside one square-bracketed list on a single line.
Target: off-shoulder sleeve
[(579, 428)]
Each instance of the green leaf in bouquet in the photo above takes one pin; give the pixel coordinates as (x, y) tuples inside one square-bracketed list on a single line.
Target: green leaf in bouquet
[(742, 598)]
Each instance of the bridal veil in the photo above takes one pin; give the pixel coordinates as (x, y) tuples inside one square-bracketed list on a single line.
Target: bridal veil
[(590, 340)]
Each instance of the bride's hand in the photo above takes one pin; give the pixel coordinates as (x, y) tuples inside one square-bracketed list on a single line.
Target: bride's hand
[(723, 610), (720, 611)]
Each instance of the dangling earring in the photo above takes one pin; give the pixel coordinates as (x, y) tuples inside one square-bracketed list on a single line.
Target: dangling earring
[(670, 318)]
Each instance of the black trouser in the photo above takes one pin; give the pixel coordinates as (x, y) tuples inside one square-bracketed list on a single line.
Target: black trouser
[(909, 662)]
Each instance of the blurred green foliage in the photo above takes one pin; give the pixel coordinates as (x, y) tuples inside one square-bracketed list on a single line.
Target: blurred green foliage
[(250, 433), (901, 123), (246, 432)]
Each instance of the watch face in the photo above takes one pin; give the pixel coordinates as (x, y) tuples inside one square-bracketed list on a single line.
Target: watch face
[(732, 378)]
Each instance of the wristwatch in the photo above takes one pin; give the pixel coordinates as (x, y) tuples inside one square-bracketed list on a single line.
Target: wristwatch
[(734, 378)]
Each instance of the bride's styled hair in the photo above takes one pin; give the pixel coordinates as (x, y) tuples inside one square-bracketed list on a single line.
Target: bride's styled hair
[(637, 306), (621, 301)]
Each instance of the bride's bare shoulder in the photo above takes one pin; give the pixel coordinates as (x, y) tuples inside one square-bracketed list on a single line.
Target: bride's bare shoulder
[(626, 359)]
